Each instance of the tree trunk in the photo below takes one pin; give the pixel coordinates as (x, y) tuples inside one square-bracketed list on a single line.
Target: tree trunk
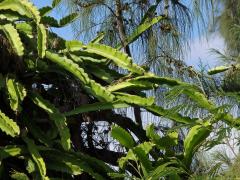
[(123, 38)]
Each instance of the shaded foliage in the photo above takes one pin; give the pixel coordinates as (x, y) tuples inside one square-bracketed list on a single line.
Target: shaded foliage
[(54, 106)]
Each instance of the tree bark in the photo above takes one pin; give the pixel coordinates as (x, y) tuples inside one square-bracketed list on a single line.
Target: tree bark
[(123, 39), (108, 156), (122, 121)]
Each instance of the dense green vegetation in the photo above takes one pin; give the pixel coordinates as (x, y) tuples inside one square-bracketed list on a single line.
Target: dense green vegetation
[(61, 103)]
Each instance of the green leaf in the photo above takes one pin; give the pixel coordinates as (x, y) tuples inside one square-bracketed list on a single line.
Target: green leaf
[(26, 28), (150, 132), (218, 69), (99, 37), (9, 15), (151, 10), (117, 175), (11, 150), (120, 58), (165, 142), (146, 146), (122, 136), (55, 3), (69, 163), (13, 38), (199, 98), (145, 163), (30, 166), (56, 117), (23, 7), (123, 160), (61, 123), (76, 164), (139, 153), (96, 164), (163, 171), (73, 45), (42, 40), (131, 85), (40, 66), (44, 104), (141, 29), (68, 19), (55, 41), (49, 21), (193, 140), (8, 126), (228, 118), (171, 137), (64, 167), (89, 85), (194, 93), (161, 80), (37, 132), (96, 107), (45, 10), (168, 113), (19, 176), (145, 82), (16, 93), (142, 154), (82, 56), (100, 72), (133, 99), (36, 156)]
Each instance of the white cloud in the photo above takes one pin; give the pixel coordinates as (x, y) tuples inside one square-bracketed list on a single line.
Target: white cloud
[(200, 50)]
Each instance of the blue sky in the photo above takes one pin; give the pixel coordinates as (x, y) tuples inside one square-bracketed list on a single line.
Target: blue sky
[(199, 48), (65, 32)]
